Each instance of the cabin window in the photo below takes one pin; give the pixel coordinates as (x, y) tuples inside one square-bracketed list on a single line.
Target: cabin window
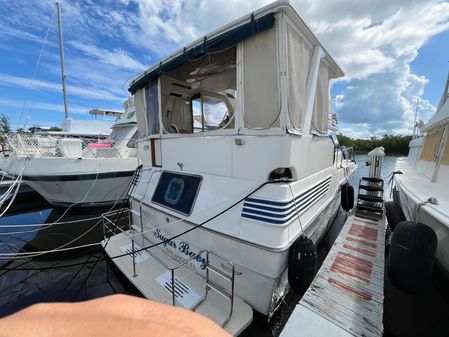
[(152, 100), (177, 191), (132, 142), (141, 112), (200, 95), (320, 116), (210, 112)]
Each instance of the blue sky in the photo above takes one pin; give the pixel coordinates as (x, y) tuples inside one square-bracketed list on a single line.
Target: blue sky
[(391, 51)]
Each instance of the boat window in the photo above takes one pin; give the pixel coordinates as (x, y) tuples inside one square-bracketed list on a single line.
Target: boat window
[(141, 112), (152, 100), (211, 113), (177, 191), (320, 116), (133, 141), (199, 95)]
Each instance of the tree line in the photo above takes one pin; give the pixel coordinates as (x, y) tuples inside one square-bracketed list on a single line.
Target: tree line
[(5, 128), (393, 144)]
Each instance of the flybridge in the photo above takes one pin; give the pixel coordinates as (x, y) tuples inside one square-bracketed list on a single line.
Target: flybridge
[(213, 45)]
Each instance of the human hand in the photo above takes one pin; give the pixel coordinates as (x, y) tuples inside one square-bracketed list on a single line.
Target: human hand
[(112, 316)]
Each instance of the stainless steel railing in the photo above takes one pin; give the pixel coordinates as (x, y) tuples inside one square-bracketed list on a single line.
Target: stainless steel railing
[(110, 226), (48, 146)]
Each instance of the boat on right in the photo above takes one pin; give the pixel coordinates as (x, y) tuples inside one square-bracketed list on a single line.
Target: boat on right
[(422, 185)]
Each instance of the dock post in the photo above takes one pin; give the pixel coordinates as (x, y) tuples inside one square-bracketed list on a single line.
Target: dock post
[(375, 160)]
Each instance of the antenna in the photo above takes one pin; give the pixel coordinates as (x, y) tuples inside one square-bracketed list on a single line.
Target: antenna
[(61, 51)]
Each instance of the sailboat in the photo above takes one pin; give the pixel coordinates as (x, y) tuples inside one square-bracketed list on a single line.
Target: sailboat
[(78, 167), (221, 199)]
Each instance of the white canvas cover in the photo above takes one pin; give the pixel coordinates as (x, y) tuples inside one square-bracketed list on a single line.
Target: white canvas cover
[(320, 119), (299, 54), (141, 112), (261, 107)]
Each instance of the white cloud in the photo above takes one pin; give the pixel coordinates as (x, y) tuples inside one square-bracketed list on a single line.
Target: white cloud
[(375, 42), (85, 92), (41, 106), (117, 57), (164, 25)]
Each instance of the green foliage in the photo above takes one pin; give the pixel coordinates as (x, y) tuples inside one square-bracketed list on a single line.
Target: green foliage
[(5, 127), (393, 144)]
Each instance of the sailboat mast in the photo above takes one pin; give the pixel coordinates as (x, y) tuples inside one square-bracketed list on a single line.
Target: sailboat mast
[(61, 51)]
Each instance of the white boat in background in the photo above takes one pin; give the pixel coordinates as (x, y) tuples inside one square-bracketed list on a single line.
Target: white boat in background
[(423, 187), (83, 165), (223, 197), (71, 170)]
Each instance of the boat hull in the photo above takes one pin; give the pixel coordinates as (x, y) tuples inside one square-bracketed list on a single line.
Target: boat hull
[(77, 182), (409, 204), (261, 271)]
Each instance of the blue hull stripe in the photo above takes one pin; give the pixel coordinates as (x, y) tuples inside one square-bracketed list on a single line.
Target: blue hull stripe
[(286, 203), (289, 211), (281, 212), (281, 222), (285, 209)]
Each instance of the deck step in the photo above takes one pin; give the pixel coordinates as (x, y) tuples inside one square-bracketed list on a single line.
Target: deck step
[(373, 180), (369, 208), (210, 298), (371, 188), (370, 198), (368, 215)]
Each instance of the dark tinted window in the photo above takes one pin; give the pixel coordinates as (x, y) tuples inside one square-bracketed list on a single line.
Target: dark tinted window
[(177, 191)]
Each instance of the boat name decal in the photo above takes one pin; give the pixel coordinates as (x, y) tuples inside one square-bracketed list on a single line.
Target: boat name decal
[(182, 247)]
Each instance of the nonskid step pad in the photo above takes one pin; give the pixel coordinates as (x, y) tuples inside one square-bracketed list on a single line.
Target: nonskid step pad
[(184, 295)]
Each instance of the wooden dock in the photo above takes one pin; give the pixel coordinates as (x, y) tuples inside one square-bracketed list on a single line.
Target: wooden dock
[(346, 296)]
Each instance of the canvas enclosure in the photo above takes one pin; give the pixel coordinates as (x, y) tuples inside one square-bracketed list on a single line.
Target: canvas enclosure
[(431, 145), (299, 54), (320, 119), (261, 102)]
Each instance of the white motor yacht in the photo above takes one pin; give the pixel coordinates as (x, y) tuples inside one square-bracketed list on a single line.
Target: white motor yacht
[(77, 170), (423, 187), (237, 164)]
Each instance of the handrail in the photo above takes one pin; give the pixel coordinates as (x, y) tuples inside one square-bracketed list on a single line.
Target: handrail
[(209, 284), (42, 146)]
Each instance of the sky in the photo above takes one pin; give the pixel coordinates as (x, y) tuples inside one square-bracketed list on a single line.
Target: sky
[(392, 52)]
